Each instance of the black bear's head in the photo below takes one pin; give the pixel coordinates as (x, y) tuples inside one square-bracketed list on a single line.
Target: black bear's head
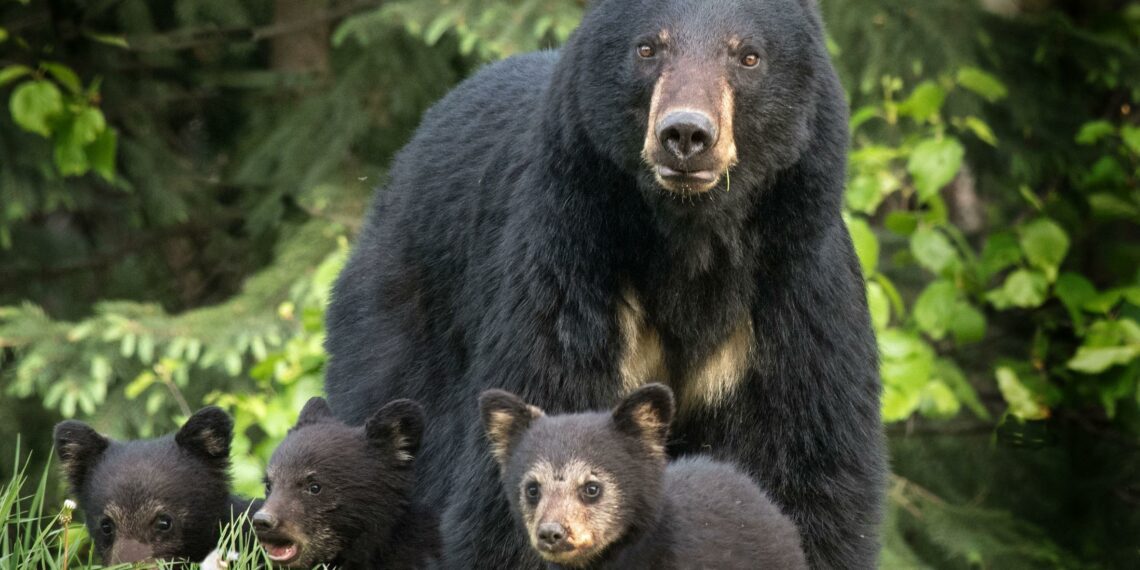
[(579, 483), (329, 485), (694, 96), (159, 499)]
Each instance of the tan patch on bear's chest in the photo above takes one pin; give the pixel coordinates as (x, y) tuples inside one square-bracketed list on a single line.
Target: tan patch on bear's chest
[(642, 359)]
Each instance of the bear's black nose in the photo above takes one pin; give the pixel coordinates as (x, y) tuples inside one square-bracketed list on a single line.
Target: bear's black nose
[(263, 521), (686, 134), (552, 536)]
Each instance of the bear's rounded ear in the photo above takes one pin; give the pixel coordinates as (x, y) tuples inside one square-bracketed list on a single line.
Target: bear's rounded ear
[(207, 434), (79, 448), (646, 415), (505, 418), (315, 410), (398, 428)]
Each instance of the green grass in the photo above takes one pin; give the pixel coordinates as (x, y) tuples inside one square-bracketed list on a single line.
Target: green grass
[(35, 535)]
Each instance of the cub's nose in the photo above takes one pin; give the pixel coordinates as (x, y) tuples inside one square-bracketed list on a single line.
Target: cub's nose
[(552, 537), (264, 521), (686, 134)]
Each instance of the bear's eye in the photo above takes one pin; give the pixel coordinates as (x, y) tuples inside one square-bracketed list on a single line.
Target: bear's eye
[(591, 491), (314, 488), (107, 526), (750, 60), (533, 491), (163, 523), (268, 489), (646, 51)]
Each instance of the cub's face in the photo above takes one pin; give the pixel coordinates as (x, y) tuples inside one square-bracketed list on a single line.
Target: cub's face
[(699, 95), (162, 499), (579, 483), (327, 482)]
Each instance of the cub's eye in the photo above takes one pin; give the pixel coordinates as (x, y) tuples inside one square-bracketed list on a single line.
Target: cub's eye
[(107, 527), (268, 489), (163, 523), (314, 488), (591, 491), (750, 60), (646, 51), (533, 491)]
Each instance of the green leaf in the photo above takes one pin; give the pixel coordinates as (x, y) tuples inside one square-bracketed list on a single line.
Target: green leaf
[(981, 130), (933, 250), (35, 104), (1094, 131), (101, 154), (1023, 403), (3, 35), (12, 73), (1107, 205), (938, 401), (982, 83), (967, 324), (1000, 252), (1074, 291), (64, 75), (861, 116), (1131, 137), (69, 157), (1023, 288), (926, 100), (87, 125), (866, 244), (934, 163), (901, 223), (934, 308), (863, 194), (1045, 244), (879, 305), (951, 375), (1094, 360)]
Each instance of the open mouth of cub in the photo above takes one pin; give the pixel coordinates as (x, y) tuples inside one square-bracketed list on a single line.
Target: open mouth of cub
[(281, 552)]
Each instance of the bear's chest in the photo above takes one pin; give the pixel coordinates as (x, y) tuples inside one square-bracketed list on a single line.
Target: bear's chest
[(699, 377)]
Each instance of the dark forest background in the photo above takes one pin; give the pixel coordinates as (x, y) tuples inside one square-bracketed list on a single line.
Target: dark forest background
[(180, 181)]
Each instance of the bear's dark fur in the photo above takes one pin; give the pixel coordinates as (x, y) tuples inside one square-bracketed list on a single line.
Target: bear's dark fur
[(544, 232), (341, 495), (593, 491), (164, 498)]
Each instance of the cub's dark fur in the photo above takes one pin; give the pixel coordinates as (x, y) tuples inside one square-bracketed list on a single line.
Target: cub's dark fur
[(164, 498), (341, 495), (593, 491)]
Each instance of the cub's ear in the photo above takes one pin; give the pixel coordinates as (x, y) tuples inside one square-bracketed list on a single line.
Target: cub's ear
[(646, 415), (397, 427), (79, 448), (316, 410), (505, 418), (207, 434)]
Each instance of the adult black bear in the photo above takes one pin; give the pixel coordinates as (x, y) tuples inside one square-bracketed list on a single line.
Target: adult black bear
[(593, 491), (164, 498), (660, 200)]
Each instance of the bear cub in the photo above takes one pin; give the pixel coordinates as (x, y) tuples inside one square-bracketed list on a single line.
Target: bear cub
[(157, 499), (593, 490), (341, 495)]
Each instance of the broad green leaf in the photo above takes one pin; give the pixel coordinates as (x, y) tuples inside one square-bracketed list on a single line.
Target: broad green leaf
[(879, 305), (933, 250), (101, 154), (1107, 205), (13, 72), (1023, 403), (901, 223), (981, 130), (3, 35), (1106, 172), (34, 104), (1131, 137), (1000, 252), (898, 404), (934, 308), (982, 83), (951, 375), (1023, 288), (1074, 291), (1093, 360), (1094, 131), (64, 75), (87, 125), (938, 401), (861, 116), (863, 194), (1045, 245), (926, 100), (69, 157), (866, 244), (934, 163), (967, 324)]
